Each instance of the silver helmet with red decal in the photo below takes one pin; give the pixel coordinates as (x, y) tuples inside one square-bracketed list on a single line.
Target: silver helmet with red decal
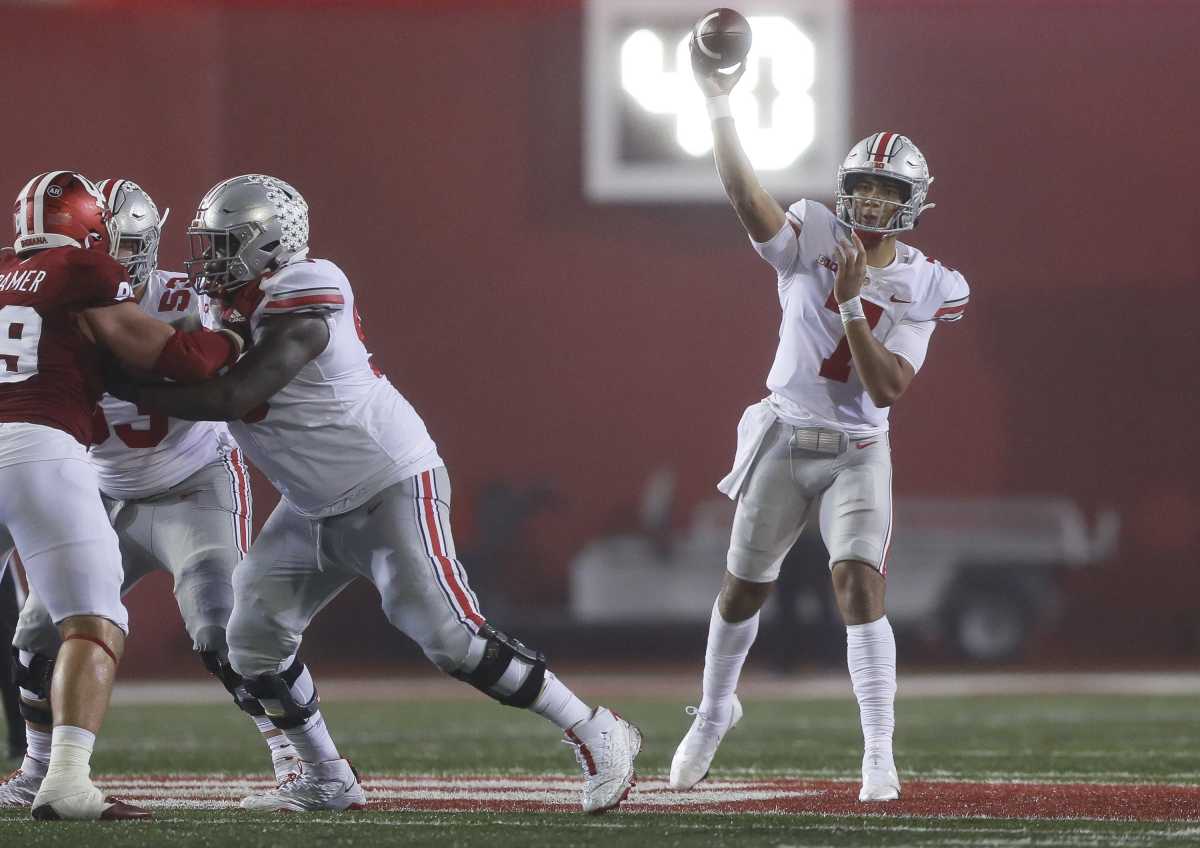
[(244, 227), (882, 185), (139, 227)]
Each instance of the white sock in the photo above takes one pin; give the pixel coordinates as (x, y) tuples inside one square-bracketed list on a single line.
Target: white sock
[(37, 752), (70, 753), (283, 753), (312, 741), (871, 657), (728, 646), (559, 704)]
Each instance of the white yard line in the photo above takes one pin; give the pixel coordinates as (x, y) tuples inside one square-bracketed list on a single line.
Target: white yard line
[(686, 685)]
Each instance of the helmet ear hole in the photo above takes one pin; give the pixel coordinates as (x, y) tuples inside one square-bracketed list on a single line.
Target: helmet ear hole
[(270, 246)]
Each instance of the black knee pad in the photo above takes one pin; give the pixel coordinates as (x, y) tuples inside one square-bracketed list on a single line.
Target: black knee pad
[(233, 682), (510, 671), (272, 689), (34, 678)]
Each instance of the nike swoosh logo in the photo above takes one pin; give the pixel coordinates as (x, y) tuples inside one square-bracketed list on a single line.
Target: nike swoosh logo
[(866, 445), (898, 300)]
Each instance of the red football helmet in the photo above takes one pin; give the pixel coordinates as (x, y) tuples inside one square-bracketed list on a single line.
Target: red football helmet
[(60, 209)]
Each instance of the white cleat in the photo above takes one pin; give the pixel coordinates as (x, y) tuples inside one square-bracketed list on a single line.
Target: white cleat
[(19, 789), (880, 781), (695, 753), (331, 785), (80, 800), (605, 747)]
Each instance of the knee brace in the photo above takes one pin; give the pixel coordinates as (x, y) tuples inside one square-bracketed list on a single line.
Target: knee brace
[(233, 682), (274, 693), (34, 681), (510, 672)]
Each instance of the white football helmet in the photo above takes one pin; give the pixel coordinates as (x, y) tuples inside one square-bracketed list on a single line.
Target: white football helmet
[(139, 226), (244, 227), (893, 157)]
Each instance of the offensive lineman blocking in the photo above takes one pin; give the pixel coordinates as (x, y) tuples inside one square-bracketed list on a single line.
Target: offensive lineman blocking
[(859, 308), (364, 494), (177, 493)]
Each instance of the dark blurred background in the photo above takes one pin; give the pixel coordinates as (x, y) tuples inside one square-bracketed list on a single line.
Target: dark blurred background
[(583, 366)]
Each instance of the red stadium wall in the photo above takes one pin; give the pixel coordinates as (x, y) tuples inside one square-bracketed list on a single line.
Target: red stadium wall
[(546, 339)]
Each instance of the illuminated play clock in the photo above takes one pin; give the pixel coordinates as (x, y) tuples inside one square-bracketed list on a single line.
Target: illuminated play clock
[(646, 132)]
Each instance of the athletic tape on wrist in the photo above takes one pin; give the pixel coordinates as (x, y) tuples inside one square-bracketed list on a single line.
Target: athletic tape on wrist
[(718, 107), (852, 310)]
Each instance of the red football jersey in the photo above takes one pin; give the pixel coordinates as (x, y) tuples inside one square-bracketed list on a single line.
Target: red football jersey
[(50, 373)]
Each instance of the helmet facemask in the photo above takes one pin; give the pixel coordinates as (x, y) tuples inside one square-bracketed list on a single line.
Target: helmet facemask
[(215, 266), (874, 203), (138, 252)]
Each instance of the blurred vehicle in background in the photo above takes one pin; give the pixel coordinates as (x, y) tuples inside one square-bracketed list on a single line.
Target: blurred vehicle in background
[(976, 575)]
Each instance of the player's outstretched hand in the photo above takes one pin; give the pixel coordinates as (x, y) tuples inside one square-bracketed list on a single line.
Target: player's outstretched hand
[(713, 82), (852, 268)]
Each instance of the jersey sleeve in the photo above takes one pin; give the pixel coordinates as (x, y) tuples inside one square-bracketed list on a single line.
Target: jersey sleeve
[(955, 294), (910, 339), (97, 280), (309, 286), (783, 249)]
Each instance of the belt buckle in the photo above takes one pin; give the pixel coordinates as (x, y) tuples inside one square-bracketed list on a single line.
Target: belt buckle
[(819, 440)]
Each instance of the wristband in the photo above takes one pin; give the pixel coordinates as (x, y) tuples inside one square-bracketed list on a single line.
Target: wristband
[(852, 310), (718, 107)]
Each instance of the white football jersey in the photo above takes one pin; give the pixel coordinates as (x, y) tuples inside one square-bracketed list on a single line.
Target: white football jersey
[(339, 432), (138, 455), (813, 381)]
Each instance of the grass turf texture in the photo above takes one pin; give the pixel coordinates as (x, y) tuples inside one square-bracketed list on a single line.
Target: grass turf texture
[(1043, 739)]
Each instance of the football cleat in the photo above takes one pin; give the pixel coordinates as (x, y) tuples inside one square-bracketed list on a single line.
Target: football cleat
[(605, 747), (81, 801), (880, 781), (695, 753), (19, 789), (331, 785)]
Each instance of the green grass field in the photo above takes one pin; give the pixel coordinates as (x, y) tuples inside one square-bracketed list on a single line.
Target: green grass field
[(1063, 739)]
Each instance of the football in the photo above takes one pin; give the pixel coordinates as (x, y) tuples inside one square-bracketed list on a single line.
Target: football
[(722, 37)]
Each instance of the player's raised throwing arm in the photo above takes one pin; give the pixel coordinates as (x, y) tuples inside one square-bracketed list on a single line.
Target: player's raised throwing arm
[(286, 345), (761, 214)]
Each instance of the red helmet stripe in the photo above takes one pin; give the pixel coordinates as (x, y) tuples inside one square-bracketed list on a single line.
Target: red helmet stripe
[(38, 219), (25, 218), (110, 196), (882, 141)]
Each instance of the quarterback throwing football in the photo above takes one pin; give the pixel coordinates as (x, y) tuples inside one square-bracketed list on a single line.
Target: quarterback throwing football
[(859, 308)]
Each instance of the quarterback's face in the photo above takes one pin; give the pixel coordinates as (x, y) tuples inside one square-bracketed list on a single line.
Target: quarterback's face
[(875, 201)]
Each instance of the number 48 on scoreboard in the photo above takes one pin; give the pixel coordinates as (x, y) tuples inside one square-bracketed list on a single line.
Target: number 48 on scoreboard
[(646, 132)]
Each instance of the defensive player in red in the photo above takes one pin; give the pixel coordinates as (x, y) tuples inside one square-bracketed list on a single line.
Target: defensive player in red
[(65, 303)]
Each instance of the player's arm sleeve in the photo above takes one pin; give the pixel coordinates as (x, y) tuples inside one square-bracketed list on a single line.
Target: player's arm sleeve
[(301, 292), (910, 341), (783, 249), (955, 296)]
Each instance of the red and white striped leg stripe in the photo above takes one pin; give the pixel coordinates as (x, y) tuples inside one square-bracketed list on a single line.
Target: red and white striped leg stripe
[(239, 487), (448, 572)]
